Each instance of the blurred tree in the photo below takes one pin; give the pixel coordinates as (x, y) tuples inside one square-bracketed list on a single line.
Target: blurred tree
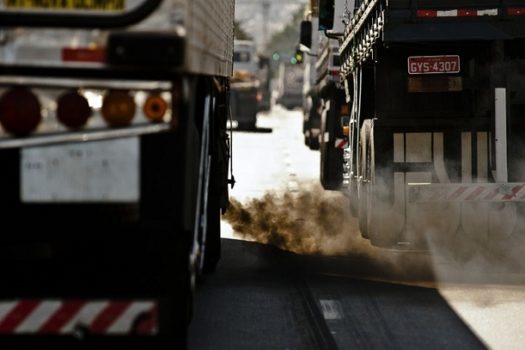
[(240, 34), (285, 42)]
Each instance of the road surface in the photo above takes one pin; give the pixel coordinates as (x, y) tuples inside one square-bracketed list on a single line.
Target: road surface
[(327, 288)]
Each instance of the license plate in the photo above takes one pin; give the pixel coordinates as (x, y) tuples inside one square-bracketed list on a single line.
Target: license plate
[(434, 64), (103, 171), (107, 5)]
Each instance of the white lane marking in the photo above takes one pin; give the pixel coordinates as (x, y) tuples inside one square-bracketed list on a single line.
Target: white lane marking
[(331, 309)]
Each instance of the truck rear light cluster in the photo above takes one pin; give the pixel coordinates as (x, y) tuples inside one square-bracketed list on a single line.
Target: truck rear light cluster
[(20, 111), (73, 110)]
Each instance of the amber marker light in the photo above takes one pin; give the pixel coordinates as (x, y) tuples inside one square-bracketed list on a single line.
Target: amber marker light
[(20, 111), (155, 108), (118, 108), (345, 110)]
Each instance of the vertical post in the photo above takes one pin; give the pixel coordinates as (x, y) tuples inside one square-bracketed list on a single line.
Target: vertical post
[(265, 14), (501, 135)]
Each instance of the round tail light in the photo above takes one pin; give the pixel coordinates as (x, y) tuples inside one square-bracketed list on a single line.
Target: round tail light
[(118, 108), (20, 111), (155, 108), (73, 110)]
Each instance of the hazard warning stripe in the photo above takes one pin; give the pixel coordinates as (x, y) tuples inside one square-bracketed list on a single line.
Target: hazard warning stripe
[(61, 317), (475, 194), (147, 325), (17, 315), (116, 317), (38, 317), (467, 193), (84, 316), (106, 318), (341, 143)]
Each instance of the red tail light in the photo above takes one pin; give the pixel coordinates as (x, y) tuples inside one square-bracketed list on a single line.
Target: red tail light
[(73, 110), (20, 111)]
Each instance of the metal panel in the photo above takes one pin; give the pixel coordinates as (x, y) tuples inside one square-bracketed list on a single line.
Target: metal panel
[(209, 30), (501, 135), (105, 171)]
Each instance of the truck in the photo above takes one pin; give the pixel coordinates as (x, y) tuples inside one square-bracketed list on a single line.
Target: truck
[(114, 152), (245, 85), (326, 100), (290, 85), (264, 96), (308, 46), (436, 91)]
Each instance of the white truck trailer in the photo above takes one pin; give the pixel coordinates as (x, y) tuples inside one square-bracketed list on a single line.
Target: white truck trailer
[(114, 155)]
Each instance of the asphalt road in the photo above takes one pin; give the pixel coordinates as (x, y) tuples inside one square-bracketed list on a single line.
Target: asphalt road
[(360, 296), (265, 298)]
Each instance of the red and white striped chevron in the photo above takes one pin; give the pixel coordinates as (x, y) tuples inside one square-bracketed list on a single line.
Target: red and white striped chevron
[(487, 192), (104, 317), (341, 143)]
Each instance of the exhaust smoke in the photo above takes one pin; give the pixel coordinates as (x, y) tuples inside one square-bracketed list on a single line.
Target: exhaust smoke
[(313, 222), (310, 221), (316, 222)]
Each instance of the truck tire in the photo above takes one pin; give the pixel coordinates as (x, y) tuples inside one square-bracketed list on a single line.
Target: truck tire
[(369, 197), (218, 184), (331, 171), (366, 176), (212, 251)]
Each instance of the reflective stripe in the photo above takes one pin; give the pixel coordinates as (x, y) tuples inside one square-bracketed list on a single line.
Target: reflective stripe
[(341, 143), (510, 192), (108, 316), (125, 323), (84, 316), (116, 317), (38, 317), (61, 317), (17, 315), (458, 13)]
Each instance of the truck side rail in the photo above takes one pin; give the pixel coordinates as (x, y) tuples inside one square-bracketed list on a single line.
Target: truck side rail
[(360, 35)]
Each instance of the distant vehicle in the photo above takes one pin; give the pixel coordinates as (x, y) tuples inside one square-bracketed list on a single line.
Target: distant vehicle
[(264, 96), (290, 85), (245, 84), (312, 102)]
